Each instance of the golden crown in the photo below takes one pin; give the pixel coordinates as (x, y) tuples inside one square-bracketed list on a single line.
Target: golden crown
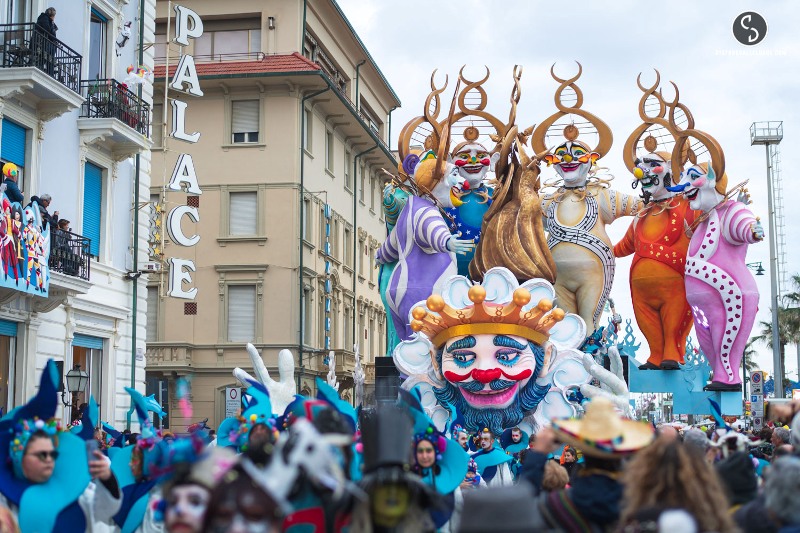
[(440, 322)]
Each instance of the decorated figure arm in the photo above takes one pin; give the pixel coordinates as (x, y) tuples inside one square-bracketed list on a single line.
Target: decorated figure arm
[(742, 226), (460, 246), (612, 385), (388, 252), (623, 205), (626, 246), (281, 392)]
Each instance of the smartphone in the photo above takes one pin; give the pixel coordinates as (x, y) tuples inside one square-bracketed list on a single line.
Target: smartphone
[(91, 446)]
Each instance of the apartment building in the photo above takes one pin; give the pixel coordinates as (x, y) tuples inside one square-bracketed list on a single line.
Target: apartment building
[(77, 132), (295, 122)]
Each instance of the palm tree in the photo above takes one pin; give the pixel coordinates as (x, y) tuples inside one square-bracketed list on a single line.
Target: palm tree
[(788, 323)]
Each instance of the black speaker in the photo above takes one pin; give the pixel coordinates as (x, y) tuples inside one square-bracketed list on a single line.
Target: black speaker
[(387, 379), (607, 366)]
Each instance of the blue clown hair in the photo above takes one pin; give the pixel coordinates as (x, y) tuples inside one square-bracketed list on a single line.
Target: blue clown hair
[(496, 420)]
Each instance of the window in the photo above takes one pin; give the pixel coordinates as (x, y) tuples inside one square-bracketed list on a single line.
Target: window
[(92, 206), (334, 238), (372, 334), (8, 343), (370, 117), (308, 129), (158, 126), (227, 44), (361, 253), (323, 229), (160, 47), (329, 150), (348, 328), (243, 213), (348, 181), (98, 45), (361, 185), (308, 219), (19, 11), (14, 143), (244, 121), (159, 388), (372, 186), (152, 314), (241, 313), (308, 315), (348, 246), (87, 351)]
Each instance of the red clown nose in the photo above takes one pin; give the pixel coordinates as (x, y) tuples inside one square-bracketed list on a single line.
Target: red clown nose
[(486, 376)]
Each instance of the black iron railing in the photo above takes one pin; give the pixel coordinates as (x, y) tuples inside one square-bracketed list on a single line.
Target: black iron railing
[(112, 99), (69, 253), (24, 45)]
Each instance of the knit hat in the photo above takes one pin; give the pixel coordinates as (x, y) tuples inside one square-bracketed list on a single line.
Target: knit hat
[(738, 476)]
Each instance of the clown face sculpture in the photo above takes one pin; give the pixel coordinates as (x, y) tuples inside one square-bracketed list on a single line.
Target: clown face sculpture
[(700, 188), (473, 162), (572, 161), (492, 378), (496, 355), (652, 172)]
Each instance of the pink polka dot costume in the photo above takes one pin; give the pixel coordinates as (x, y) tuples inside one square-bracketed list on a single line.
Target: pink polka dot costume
[(721, 290)]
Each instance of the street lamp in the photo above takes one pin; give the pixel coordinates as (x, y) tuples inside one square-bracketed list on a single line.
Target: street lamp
[(77, 380), (756, 267)]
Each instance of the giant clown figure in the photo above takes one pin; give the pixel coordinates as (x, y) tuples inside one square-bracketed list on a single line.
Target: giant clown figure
[(658, 242), (720, 288), (499, 355), (577, 213)]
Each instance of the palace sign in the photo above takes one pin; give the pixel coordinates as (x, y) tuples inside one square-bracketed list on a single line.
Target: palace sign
[(187, 26)]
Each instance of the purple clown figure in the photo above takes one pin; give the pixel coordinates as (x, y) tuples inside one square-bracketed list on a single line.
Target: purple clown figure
[(720, 289), (498, 355), (421, 245)]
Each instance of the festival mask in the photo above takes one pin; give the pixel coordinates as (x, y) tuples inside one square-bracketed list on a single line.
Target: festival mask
[(186, 507), (572, 160), (473, 161), (652, 171), (699, 185)]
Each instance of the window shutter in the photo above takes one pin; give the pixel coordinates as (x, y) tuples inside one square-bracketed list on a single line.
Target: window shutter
[(92, 202), (241, 313), (244, 116), (243, 213), (87, 341), (13, 148), (152, 314)]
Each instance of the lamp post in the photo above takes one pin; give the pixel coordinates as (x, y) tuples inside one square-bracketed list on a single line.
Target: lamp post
[(77, 380), (771, 134)]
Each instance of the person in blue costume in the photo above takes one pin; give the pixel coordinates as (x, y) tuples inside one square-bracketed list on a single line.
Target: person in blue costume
[(493, 463), (133, 466), (473, 162), (46, 478), (394, 200), (513, 441)]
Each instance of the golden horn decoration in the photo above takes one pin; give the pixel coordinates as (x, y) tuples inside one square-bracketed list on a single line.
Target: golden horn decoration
[(679, 155), (505, 139), (629, 150), (603, 130), (404, 140), (444, 142), (478, 110)]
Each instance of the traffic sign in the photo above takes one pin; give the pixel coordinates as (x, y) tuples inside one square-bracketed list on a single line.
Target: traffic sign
[(233, 401), (758, 423)]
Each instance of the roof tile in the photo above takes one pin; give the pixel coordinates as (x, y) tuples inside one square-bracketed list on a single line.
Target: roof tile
[(294, 62)]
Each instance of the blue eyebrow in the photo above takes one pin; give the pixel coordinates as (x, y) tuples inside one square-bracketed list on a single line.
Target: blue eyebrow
[(467, 342), (507, 342)]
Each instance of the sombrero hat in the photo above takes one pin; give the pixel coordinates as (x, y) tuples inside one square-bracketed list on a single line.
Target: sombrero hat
[(602, 432)]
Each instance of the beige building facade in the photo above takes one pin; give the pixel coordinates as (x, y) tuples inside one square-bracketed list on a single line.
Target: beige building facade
[(295, 119)]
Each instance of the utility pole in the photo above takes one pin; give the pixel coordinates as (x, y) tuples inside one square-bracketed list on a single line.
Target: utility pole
[(770, 134)]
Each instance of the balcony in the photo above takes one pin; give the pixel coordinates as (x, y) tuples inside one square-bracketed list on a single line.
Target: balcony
[(69, 253), (39, 69), (115, 116), (168, 356)]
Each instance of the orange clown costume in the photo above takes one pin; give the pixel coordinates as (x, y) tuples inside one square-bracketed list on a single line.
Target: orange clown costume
[(659, 244)]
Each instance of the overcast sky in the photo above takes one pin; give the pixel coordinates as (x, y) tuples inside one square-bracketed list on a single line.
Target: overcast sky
[(726, 85)]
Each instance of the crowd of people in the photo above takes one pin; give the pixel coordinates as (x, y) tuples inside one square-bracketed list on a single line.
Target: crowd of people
[(322, 466)]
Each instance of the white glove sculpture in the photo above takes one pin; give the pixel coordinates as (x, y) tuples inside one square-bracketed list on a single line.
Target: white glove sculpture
[(281, 392), (612, 384)]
